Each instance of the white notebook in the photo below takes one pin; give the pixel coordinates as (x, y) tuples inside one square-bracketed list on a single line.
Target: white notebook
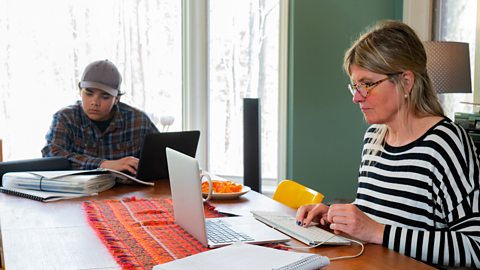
[(247, 256)]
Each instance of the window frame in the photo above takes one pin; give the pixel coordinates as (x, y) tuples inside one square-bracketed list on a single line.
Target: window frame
[(195, 80)]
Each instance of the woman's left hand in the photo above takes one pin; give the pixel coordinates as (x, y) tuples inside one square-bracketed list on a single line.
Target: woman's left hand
[(347, 218)]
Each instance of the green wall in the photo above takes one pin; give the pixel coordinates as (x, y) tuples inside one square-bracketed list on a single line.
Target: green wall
[(325, 129)]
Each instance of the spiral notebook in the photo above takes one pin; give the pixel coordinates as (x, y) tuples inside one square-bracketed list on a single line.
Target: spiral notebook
[(43, 196), (247, 256)]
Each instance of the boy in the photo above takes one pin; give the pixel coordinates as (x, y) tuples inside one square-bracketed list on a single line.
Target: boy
[(99, 131)]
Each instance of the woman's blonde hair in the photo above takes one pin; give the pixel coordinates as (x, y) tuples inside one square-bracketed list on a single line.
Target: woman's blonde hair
[(392, 47)]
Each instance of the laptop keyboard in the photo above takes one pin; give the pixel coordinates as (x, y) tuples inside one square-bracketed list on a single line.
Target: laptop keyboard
[(287, 224), (219, 232)]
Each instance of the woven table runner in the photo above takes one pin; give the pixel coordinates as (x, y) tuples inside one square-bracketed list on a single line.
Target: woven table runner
[(141, 233)]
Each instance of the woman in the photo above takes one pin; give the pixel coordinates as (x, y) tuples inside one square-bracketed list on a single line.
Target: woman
[(100, 131), (418, 190)]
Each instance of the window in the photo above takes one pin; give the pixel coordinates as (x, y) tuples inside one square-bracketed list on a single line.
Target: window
[(455, 20), (243, 63), (43, 58)]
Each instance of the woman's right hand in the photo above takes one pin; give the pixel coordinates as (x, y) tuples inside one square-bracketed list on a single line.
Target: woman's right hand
[(312, 212)]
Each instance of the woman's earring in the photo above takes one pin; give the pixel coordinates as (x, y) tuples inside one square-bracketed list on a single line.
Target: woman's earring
[(405, 96)]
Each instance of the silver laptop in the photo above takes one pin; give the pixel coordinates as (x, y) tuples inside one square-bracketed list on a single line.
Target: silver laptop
[(189, 213)]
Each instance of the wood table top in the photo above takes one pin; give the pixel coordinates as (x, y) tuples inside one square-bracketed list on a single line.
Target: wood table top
[(56, 235)]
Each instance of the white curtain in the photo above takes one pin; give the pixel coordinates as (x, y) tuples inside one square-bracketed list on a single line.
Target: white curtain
[(45, 45)]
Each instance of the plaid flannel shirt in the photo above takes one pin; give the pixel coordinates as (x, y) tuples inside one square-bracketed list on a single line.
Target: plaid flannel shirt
[(74, 136)]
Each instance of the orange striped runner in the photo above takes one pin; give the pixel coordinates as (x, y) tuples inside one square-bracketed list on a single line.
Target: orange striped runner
[(140, 233)]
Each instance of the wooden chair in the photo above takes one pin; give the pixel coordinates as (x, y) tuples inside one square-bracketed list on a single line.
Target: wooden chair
[(1, 151), (294, 195)]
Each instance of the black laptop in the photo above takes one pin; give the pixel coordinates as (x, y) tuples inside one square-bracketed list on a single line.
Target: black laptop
[(153, 160)]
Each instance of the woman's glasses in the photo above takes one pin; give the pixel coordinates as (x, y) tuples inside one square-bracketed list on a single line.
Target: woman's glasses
[(364, 88)]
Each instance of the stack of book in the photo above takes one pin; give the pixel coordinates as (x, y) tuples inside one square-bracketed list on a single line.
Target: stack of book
[(56, 185), (471, 123)]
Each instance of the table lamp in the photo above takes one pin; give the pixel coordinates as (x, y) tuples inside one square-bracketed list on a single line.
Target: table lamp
[(448, 65)]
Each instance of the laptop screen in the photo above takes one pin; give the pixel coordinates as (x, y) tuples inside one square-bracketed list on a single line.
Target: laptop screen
[(185, 185), (153, 160), (186, 194)]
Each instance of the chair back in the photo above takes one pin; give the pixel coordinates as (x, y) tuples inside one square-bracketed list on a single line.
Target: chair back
[(294, 195)]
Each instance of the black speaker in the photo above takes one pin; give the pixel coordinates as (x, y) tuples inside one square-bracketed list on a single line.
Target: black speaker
[(252, 175)]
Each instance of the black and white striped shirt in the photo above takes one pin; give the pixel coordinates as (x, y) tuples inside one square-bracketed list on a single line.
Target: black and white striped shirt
[(427, 194)]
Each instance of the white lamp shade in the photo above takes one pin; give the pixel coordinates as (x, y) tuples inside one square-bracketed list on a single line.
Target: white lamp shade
[(448, 65)]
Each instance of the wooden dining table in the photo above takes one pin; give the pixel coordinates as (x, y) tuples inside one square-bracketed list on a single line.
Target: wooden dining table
[(56, 235)]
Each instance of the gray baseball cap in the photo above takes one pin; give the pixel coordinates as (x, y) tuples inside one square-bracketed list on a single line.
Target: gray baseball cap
[(102, 75)]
